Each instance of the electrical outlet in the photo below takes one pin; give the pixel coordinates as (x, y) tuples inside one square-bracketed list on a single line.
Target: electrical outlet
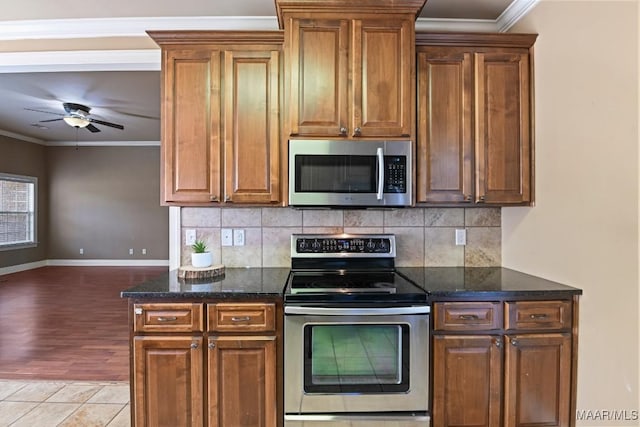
[(238, 237), (461, 237), (189, 236), (131, 251), (144, 251), (81, 251), (226, 237)]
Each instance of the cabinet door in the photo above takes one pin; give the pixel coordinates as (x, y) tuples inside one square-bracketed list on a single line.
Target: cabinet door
[(445, 125), (317, 58), (467, 373), (383, 78), (251, 131), (168, 381), (503, 134), (242, 381), (537, 380), (191, 126)]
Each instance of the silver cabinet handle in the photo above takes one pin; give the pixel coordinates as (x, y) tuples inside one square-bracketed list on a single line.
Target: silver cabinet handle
[(498, 342), (214, 198), (167, 319), (212, 345), (194, 345), (380, 156), (343, 130), (537, 316), (468, 317), (357, 131), (514, 341), (241, 319)]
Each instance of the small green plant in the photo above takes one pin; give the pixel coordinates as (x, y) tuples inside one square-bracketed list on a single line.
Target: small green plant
[(199, 247)]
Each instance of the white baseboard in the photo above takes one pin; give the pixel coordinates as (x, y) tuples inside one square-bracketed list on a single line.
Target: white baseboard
[(22, 267), (86, 263)]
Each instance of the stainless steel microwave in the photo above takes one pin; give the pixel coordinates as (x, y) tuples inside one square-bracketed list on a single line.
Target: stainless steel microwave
[(334, 173)]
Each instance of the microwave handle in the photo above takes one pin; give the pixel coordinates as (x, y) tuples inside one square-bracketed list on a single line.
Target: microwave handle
[(380, 155)]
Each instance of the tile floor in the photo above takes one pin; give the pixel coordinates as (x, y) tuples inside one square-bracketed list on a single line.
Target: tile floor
[(64, 404)]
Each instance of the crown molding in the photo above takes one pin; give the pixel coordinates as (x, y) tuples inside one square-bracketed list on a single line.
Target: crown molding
[(80, 60), (516, 11), (127, 27), (102, 143), (462, 25), (21, 137)]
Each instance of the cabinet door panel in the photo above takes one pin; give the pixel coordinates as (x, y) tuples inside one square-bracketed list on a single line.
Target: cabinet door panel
[(445, 139), (537, 383), (503, 140), (383, 75), (467, 375), (318, 57), (251, 131), (242, 381), (168, 381), (191, 126)]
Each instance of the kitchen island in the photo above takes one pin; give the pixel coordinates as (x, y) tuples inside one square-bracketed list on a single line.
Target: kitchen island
[(210, 352)]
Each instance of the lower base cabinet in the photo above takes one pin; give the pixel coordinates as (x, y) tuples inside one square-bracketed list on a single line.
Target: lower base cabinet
[(205, 365), (516, 373)]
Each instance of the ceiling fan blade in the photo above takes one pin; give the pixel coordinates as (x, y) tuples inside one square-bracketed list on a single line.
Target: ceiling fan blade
[(100, 122), (92, 128), (42, 111), (50, 120)]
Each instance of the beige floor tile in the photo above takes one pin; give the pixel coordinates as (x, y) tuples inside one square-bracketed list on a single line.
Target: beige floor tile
[(75, 393), (46, 415), (11, 411), (7, 388), (35, 392), (111, 394), (93, 415), (123, 419)]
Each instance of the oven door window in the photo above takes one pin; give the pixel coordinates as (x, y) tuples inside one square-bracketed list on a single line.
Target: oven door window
[(356, 358)]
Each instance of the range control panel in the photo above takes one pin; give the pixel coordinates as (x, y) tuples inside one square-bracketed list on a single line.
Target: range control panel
[(358, 245)]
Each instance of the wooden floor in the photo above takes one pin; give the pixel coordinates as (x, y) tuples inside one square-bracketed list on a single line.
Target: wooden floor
[(67, 323)]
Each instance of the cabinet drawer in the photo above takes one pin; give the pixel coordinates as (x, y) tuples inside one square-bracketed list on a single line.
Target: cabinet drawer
[(467, 316), (176, 317), (538, 315), (241, 317)]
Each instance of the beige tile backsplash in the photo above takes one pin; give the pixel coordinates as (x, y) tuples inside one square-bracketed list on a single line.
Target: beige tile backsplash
[(424, 236)]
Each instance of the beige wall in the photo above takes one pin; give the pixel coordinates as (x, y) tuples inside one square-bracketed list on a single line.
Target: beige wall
[(106, 200), (584, 229), (25, 158)]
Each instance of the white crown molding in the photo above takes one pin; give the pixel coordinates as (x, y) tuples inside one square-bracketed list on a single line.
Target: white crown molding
[(22, 137), (127, 27), (462, 25), (81, 60), (102, 143), (516, 11)]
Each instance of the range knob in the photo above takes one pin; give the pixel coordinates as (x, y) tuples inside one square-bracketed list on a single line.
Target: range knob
[(316, 245), (383, 245), (303, 245), (370, 246)]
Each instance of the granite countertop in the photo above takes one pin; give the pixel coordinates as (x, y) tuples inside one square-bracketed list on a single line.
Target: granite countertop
[(438, 282), (483, 282), (236, 282)]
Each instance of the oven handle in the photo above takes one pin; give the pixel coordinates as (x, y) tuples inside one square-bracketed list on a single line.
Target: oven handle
[(355, 311)]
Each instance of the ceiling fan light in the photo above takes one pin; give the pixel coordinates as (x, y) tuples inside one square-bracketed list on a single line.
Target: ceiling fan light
[(77, 122)]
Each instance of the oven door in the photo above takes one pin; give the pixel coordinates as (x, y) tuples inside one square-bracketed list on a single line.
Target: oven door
[(355, 360)]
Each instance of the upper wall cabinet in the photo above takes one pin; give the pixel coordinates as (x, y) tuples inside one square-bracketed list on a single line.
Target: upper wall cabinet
[(475, 127), (220, 117), (349, 67)]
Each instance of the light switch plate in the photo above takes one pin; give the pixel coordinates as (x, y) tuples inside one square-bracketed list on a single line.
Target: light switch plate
[(226, 237), (189, 236), (238, 237), (461, 237)]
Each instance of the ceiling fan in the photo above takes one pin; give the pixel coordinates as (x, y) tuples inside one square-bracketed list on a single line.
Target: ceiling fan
[(77, 115)]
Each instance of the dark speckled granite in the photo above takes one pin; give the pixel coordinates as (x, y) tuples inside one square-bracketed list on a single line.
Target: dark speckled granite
[(484, 282), (236, 283)]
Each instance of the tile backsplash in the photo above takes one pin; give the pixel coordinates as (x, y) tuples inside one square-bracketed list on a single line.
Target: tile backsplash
[(424, 236)]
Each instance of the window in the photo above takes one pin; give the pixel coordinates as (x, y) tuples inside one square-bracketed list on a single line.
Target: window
[(17, 211)]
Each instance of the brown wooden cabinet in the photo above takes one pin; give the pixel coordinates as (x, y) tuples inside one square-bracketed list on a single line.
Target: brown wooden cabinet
[(205, 364), (475, 127), (516, 372), (349, 68), (220, 117)]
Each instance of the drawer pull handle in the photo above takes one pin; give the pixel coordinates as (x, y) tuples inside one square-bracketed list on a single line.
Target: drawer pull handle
[(212, 345), (194, 345), (241, 319), (167, 319), (468, 317), (538, 316)]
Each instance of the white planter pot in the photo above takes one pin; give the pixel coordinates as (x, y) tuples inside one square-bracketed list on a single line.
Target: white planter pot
[(202, 260)]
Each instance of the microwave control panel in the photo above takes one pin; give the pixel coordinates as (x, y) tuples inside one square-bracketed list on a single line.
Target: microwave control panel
[(395, 174)]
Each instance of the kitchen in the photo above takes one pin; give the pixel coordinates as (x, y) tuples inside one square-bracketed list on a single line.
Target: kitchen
[(571, 235)]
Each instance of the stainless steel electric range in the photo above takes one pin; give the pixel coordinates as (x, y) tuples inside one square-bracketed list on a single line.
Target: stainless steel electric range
[(356, 335)]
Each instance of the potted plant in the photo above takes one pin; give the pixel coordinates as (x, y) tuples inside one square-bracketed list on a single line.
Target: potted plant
[(201, 257)]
